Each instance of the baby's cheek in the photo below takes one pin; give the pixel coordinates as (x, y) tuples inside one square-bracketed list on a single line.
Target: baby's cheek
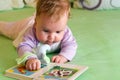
[(59, 38), (42, 38)]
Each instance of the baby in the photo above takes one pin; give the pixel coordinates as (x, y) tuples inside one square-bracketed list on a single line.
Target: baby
[(49, 33)]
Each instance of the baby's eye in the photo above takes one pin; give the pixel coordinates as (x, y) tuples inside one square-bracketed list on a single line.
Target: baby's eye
[(58, 31), (45, 30)]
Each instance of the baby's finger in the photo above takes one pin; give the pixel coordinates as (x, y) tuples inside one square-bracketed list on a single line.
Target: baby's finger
[(53, 58), (29, 67), (57, 60), (33, 66), (38, 65), (61, 61)]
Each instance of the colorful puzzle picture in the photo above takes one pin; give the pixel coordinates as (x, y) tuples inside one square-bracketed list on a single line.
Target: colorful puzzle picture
[(21, 70), (60, 73)]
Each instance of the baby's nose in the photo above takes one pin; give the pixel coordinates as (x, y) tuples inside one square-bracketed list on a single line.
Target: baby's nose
[(51, 37)]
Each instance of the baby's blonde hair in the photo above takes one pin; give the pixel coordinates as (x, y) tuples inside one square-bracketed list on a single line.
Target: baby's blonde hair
[(53, 7)]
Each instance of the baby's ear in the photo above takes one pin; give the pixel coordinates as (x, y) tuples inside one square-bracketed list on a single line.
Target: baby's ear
[(34, 26), (35, 22)]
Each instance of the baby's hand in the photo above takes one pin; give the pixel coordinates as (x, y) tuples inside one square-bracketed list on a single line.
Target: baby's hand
[(59, 59), (33, 64)]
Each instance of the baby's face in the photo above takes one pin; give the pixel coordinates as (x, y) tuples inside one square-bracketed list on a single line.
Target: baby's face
[(49, 31)]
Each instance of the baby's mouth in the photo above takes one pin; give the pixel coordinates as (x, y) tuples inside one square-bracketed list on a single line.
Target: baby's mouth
[(49, 43)]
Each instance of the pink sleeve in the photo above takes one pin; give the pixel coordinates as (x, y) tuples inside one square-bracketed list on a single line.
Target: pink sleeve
[(68, 45)]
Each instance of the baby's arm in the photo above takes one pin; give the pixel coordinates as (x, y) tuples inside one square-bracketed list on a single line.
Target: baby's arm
[(25, 48), (68, 48)]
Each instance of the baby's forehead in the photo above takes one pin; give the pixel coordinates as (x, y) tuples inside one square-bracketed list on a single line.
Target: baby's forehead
[(55, 17)]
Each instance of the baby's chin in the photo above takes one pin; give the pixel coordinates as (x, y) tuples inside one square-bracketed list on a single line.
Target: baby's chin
[(50, 43)]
